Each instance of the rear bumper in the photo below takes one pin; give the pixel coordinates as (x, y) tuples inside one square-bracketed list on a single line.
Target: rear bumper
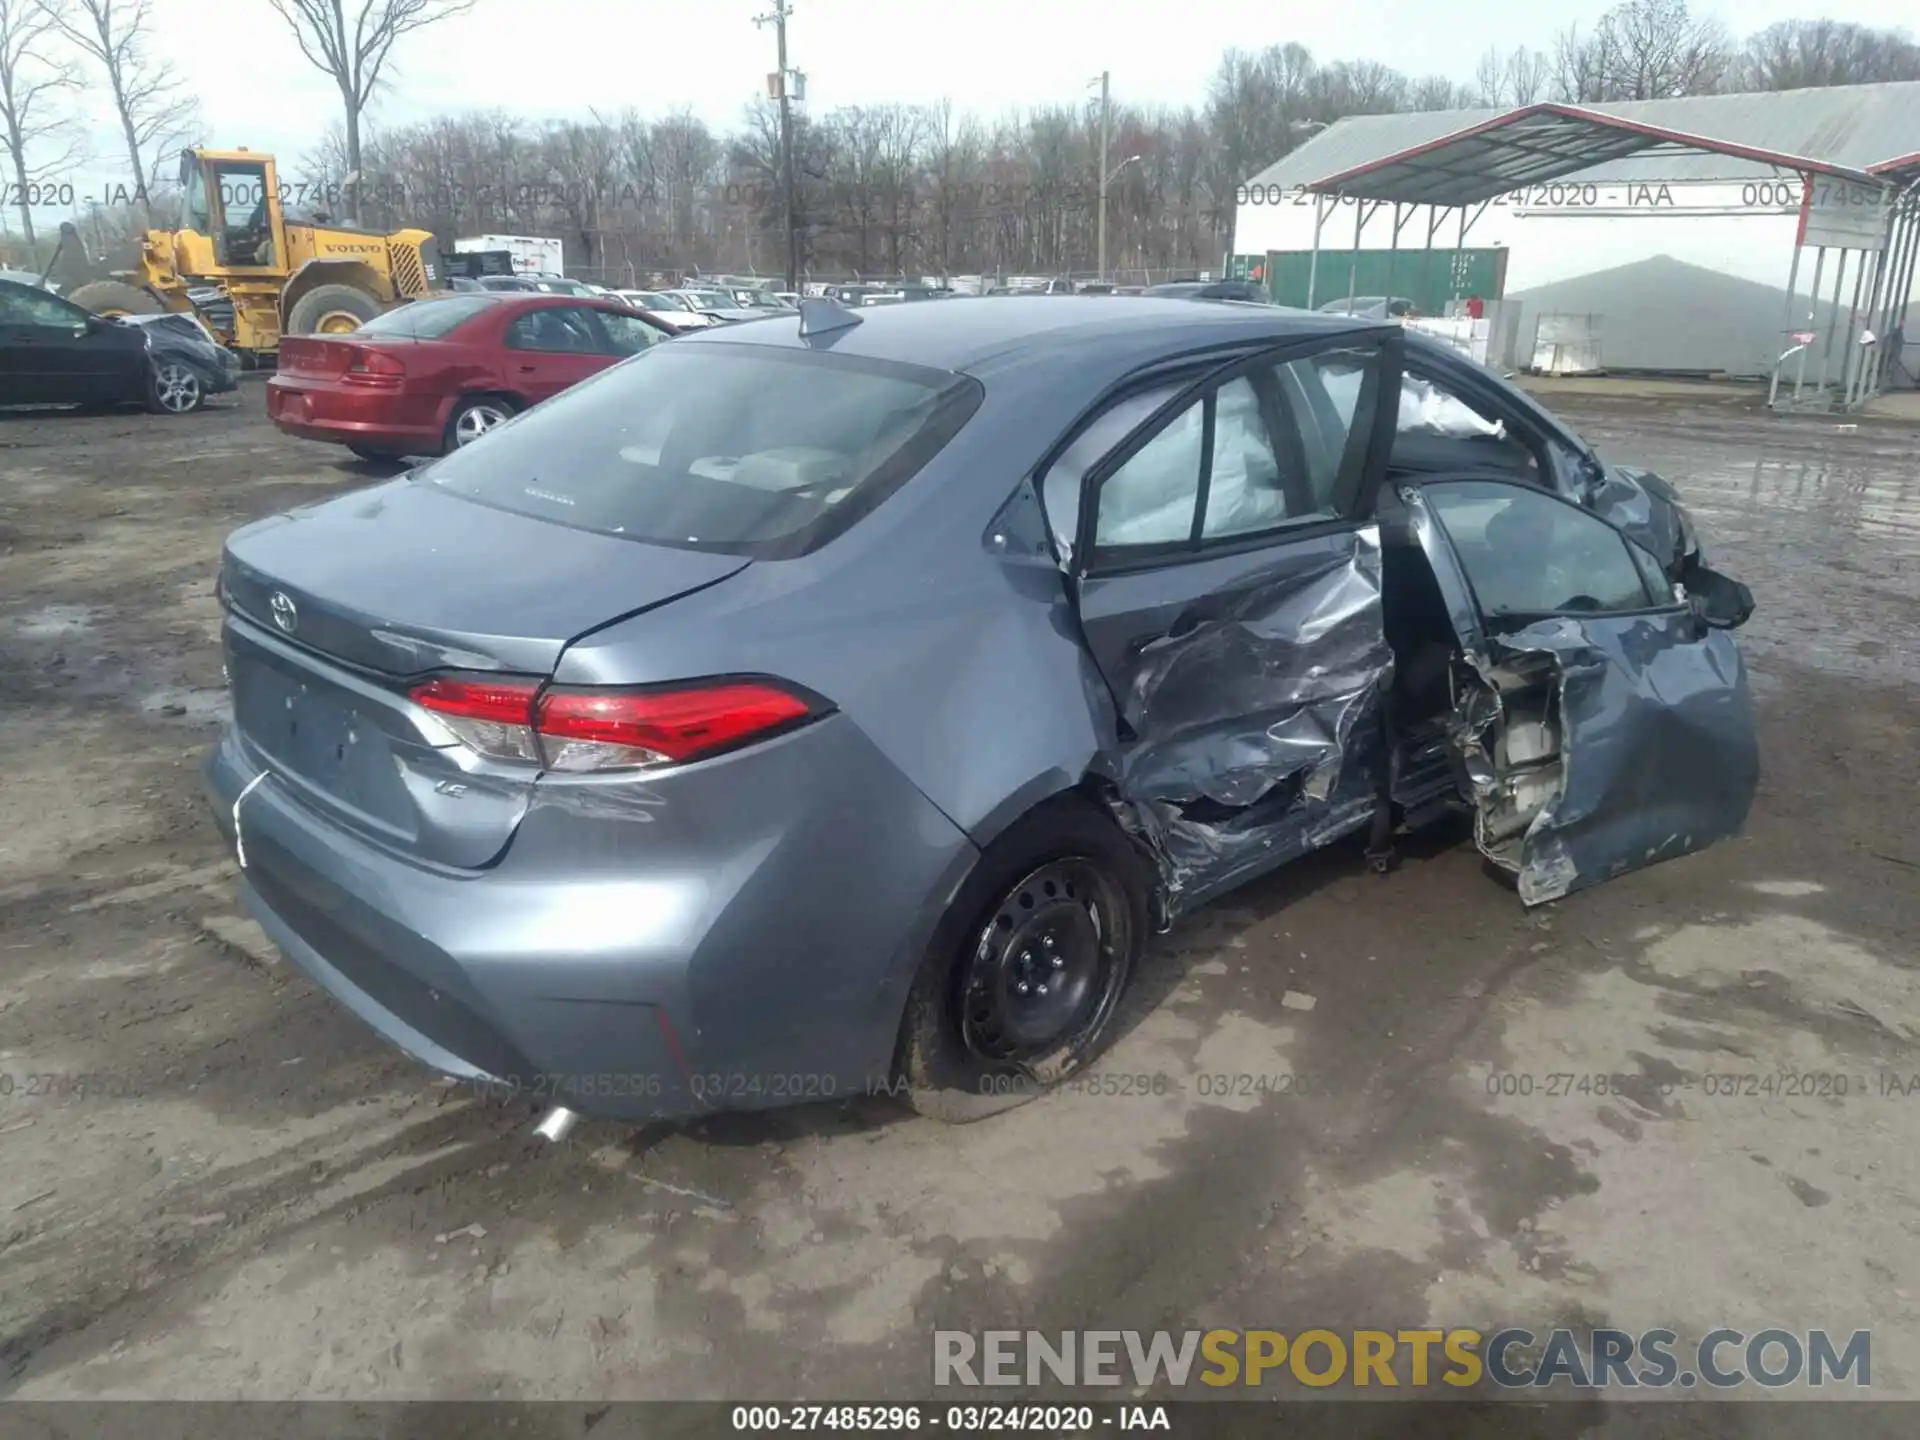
[(320, 411), (638, 951)]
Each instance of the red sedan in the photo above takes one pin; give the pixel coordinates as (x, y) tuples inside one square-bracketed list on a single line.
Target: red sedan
[(432, 375)]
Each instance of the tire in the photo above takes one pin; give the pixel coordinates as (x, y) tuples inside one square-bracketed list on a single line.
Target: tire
[(174, 388), (115, 297), (971, 1045), (473, 417), (326, 309)]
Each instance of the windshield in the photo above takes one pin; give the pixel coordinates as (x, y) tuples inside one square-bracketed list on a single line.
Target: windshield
[(740, 449), (426, 319)]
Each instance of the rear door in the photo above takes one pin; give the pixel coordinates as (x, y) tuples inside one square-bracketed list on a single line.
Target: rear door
[(1604, 720), (1229, 593), (553, 347)]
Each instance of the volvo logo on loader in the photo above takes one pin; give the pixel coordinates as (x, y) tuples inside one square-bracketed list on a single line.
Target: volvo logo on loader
[(286, 615)]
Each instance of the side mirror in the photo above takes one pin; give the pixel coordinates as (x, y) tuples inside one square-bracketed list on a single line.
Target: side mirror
[(1718, 602)]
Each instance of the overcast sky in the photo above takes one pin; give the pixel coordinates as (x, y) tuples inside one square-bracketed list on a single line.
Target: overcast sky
[(559, 58)]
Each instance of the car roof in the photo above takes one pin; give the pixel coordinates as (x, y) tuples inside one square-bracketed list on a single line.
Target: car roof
[(976, 337), (511, 299)]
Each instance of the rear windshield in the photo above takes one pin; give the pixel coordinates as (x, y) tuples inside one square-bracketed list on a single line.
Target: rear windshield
[(746, 450), (426, 319)]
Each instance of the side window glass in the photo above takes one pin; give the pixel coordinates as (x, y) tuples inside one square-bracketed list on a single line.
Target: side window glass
[(248, 231), (1150, 500), (26, 306), (1244, 485), (1658, 585), (1526, 553), (1060, 490), (626, 334), (1440, 428), (559, 330), (1284, 451), (522, 334)]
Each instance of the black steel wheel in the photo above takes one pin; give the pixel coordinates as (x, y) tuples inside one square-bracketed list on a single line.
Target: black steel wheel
[(1026, 972), (1047, 967)]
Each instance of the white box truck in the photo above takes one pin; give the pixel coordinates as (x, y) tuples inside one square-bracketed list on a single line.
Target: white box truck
[(529, 252)]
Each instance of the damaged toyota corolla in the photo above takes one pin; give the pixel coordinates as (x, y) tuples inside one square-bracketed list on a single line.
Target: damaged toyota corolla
[(838, 702)]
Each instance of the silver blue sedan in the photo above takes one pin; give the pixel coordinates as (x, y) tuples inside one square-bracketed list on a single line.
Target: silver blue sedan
[(839, 702)]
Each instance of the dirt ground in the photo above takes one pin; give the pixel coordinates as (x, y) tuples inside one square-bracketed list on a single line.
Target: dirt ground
[(253, 1197)]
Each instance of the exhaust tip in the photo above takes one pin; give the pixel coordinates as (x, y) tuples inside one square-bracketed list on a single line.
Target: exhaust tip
[(558, 1124)]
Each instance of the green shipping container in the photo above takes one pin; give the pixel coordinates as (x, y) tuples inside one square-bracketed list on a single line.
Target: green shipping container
[(1429, 278)]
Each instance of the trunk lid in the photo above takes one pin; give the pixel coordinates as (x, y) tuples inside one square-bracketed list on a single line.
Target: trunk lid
[(310, 356), (338, 604), (322, 357)]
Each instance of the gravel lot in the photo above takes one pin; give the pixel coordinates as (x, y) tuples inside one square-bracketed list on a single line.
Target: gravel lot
[(254, 1198)]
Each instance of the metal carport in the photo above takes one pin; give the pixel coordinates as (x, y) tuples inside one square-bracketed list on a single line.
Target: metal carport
[(1536, 144)]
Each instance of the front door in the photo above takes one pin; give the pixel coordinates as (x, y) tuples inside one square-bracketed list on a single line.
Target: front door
[(1229, 591), (1604, 720)]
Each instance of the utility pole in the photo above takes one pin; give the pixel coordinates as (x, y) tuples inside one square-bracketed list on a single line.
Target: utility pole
[(1106, 129), (777, 17)]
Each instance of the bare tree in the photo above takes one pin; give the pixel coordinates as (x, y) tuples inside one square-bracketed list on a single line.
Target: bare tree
[(900, 134), (1657, 49), (1436, 92), (1581, 64), (155, 113), (1518, 77), (353, 52), (31, 82), (1800, 54), (1490, 78), (1527, 75)]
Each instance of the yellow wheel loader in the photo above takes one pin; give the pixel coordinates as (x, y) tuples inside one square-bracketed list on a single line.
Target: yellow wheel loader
[(276, 277)]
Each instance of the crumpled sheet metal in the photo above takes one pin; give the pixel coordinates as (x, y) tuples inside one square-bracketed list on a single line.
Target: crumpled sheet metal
[(1658, 748), (1643, 505), (1299, 663)]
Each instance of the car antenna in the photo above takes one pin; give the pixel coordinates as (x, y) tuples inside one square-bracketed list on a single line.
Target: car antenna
[(822, 315)]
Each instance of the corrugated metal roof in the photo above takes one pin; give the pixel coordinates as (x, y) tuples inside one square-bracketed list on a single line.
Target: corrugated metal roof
[(1537, 144), (1859, 126)]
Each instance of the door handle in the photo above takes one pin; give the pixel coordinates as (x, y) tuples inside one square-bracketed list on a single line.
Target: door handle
[(528, 369)]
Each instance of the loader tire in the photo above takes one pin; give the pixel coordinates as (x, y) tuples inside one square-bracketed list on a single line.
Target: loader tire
[(331, 310), (115, 297)]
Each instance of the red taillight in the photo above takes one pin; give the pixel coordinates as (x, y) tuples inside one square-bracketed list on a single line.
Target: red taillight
[(373, 367), (508, 702), (577, 728), (493, 716), (673, 726)]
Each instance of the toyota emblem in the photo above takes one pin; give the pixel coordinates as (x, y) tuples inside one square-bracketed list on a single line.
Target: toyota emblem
[(286, 615)]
